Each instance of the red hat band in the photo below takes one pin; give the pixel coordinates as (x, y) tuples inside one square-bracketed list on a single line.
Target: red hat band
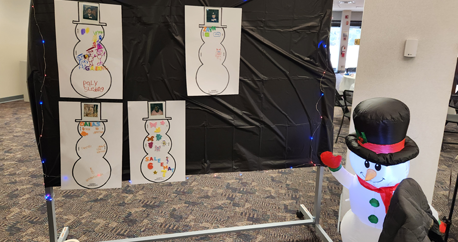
[(384, 149)]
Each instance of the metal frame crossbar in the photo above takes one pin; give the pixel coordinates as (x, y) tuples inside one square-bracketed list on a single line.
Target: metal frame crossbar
[(307, 219)]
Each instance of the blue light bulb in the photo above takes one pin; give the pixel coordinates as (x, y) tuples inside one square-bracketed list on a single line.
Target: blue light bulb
[(319, 44), (48, 197)]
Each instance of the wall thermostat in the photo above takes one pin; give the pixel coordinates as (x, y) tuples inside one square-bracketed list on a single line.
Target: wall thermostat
[(410, 49)]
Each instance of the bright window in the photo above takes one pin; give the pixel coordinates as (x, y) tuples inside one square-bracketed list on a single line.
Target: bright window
[(334, 43), (352, 49)]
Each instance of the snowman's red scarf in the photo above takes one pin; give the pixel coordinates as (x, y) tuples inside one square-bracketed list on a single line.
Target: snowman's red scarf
[(386, 193)]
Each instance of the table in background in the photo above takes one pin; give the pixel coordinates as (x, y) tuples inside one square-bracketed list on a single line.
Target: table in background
[(347, 83)]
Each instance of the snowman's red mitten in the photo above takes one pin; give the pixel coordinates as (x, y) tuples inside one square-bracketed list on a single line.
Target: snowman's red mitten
[(442, 226), (333, 162)]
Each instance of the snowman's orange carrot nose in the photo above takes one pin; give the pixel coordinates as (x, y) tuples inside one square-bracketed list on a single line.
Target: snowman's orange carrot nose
[(370, 174)]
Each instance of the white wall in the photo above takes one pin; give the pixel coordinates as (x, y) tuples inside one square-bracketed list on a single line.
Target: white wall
[(14, 17), (423, 82)]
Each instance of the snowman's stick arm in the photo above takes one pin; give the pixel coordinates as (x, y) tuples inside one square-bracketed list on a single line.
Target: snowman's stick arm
[(343, 176)]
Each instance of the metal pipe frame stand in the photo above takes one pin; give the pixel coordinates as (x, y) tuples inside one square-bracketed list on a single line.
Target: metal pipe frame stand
[(308, 219), (50, 209)]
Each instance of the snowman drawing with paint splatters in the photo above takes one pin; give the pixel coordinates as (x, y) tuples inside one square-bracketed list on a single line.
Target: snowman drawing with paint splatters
[(91, 170), (380, 154), (212, 76), (158, 165), (90, 77)]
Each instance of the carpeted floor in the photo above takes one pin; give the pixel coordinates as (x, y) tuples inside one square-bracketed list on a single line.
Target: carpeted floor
[(202, 202)]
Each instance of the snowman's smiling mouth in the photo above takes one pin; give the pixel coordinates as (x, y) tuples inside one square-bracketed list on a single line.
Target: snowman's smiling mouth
[(379, 181)]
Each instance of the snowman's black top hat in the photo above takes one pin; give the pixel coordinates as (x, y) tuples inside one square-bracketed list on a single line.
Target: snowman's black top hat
[(381, 127)]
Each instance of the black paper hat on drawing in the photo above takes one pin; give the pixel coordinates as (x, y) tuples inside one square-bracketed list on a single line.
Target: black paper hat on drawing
[(89, 13), (156, 111), (213, 17), (381, 127), (91, 112)]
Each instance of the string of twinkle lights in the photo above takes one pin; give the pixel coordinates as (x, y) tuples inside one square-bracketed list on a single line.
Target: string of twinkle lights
[(48, 197), (321, 43), (320, 97)]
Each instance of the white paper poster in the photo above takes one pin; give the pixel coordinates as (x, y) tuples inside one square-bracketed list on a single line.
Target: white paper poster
[(212, 50), (89, 49), (90, 145), (157, 136)]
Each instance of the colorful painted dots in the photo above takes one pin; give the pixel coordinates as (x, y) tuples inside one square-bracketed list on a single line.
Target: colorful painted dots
[(84, 31)]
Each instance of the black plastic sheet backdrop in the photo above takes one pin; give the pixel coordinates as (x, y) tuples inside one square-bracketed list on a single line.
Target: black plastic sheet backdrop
[(269, 125)]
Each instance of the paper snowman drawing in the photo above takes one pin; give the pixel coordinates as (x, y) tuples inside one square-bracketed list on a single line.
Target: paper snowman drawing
[(380, 154), (90, 77), (158, 165), (91, 170), (212, 76), (212, 48)]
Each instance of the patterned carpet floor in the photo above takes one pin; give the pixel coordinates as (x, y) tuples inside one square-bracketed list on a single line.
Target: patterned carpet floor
[(201, 202)]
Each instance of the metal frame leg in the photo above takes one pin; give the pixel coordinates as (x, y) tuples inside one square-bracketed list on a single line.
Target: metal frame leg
[(318, 192), (50, 209), (51, 214), (341, 123), (318, 196)]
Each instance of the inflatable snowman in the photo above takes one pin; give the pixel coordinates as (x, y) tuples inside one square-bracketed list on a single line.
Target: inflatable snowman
[(91, 170), (212, 76), (90, 78), (158, 165), (380, 153)]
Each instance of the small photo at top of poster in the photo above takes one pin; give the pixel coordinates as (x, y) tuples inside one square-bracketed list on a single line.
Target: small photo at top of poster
[(212, 50), (89, 49), (90, 145), (157, 137)]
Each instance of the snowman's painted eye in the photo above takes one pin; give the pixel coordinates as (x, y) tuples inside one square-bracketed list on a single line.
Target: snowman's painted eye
[(366, 164), (378, 167)]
